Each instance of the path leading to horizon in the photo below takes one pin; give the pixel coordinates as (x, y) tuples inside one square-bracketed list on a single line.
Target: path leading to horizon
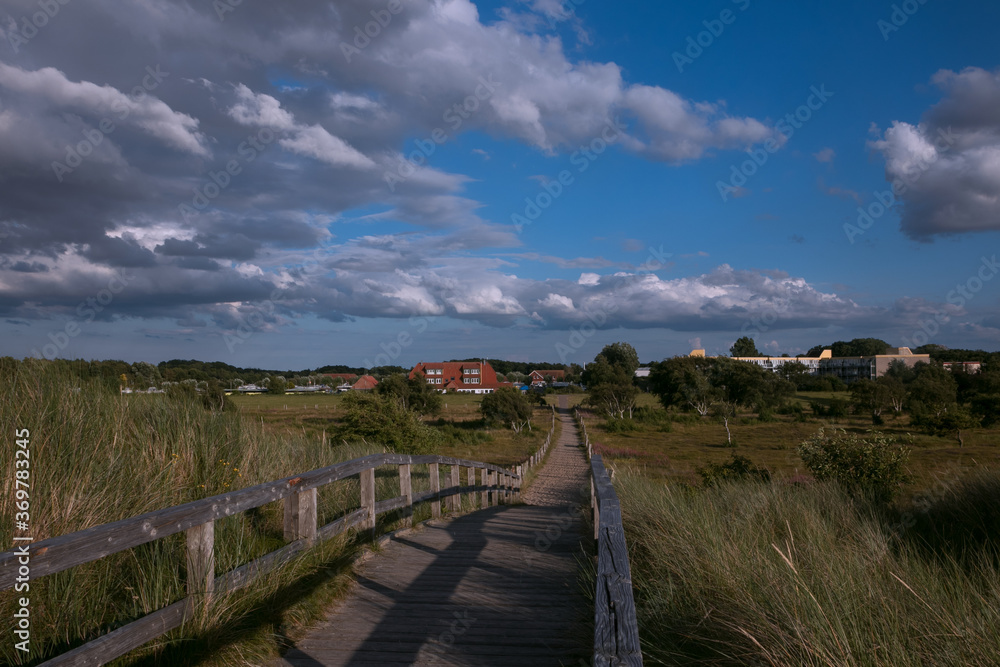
[(494, 587)]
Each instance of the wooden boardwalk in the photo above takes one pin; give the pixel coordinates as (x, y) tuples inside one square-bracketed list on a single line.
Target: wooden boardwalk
[(495, 587)]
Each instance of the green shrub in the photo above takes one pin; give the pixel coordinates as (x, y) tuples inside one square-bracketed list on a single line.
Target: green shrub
[(874, 466), (382, 420), (737, 469), (612, 425)]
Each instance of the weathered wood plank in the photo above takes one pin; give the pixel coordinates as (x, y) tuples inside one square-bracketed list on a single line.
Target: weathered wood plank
[(616, 630), (201, 561), (435, 479), (406, 490), (368, 498)]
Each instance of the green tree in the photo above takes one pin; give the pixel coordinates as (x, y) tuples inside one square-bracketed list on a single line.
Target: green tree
[(610, 388), (276, 384), (620, 355), (932, 391), (685, 382), (870, 396), (895, 392), (507, 406), (744, 347), (795, 372), (411, 393)]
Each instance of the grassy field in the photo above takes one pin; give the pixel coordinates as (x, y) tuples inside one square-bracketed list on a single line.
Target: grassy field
[(462, 432), (789, 575), (795, 572), (98, 457), (674, 447)]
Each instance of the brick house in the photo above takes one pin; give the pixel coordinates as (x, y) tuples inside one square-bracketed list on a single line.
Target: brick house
[(537, 378), (470, 377)]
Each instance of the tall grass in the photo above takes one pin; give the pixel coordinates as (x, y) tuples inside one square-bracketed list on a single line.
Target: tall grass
[(778, 574), (97, 457)]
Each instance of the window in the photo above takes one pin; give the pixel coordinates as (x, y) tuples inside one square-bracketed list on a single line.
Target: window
[(471, 371), (472, 381)]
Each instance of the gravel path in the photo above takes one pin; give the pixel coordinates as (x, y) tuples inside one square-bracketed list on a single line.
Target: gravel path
[(563, 480)]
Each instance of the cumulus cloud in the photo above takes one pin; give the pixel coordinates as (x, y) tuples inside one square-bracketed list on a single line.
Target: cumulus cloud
[(50, 86), (950, 160)]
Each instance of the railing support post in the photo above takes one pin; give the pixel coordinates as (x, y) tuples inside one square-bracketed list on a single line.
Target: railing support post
[(406, 490), (300, 516), (494, 489), (484, 481), (368, 498), (436, 488), (595, 505), (472, 482), (200, 562), (517, 485), (455, 500)]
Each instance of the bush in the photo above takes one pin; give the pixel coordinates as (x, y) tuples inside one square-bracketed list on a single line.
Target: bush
[(612, 425), (873, 466), (383, 421), (737, 469), (837, 408)]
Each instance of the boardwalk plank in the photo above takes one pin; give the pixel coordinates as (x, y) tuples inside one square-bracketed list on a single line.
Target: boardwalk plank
[(495, 587)]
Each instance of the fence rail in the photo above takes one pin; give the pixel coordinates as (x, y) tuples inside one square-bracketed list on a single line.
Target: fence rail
[(197, 521), (616, 628)]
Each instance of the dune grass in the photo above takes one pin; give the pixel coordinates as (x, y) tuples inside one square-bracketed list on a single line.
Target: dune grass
[(785, 574), (97, 457)]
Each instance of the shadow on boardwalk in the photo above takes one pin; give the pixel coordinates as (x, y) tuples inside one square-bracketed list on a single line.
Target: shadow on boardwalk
[(494, 587)]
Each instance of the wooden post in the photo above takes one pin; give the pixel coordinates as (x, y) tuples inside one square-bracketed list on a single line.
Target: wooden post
[(484, 481), (597, 509), (406, 490), (436, 488), (200, 561), (300, 516), (472, 482), (517, 484), (368, 498), (455, 501), (495, 484)]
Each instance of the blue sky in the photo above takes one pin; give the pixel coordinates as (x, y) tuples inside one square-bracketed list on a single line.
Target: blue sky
[(308, 256)]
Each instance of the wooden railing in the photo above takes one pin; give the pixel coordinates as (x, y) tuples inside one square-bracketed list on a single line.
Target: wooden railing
[(616, 628), (299, 493)]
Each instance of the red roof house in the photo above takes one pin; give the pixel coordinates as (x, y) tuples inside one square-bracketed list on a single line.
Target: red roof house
[(365, 383), (538, 377), (474, 377)]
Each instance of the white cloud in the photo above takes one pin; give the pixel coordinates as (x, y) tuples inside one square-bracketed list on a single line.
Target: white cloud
[(146, 112), (950, 161)]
